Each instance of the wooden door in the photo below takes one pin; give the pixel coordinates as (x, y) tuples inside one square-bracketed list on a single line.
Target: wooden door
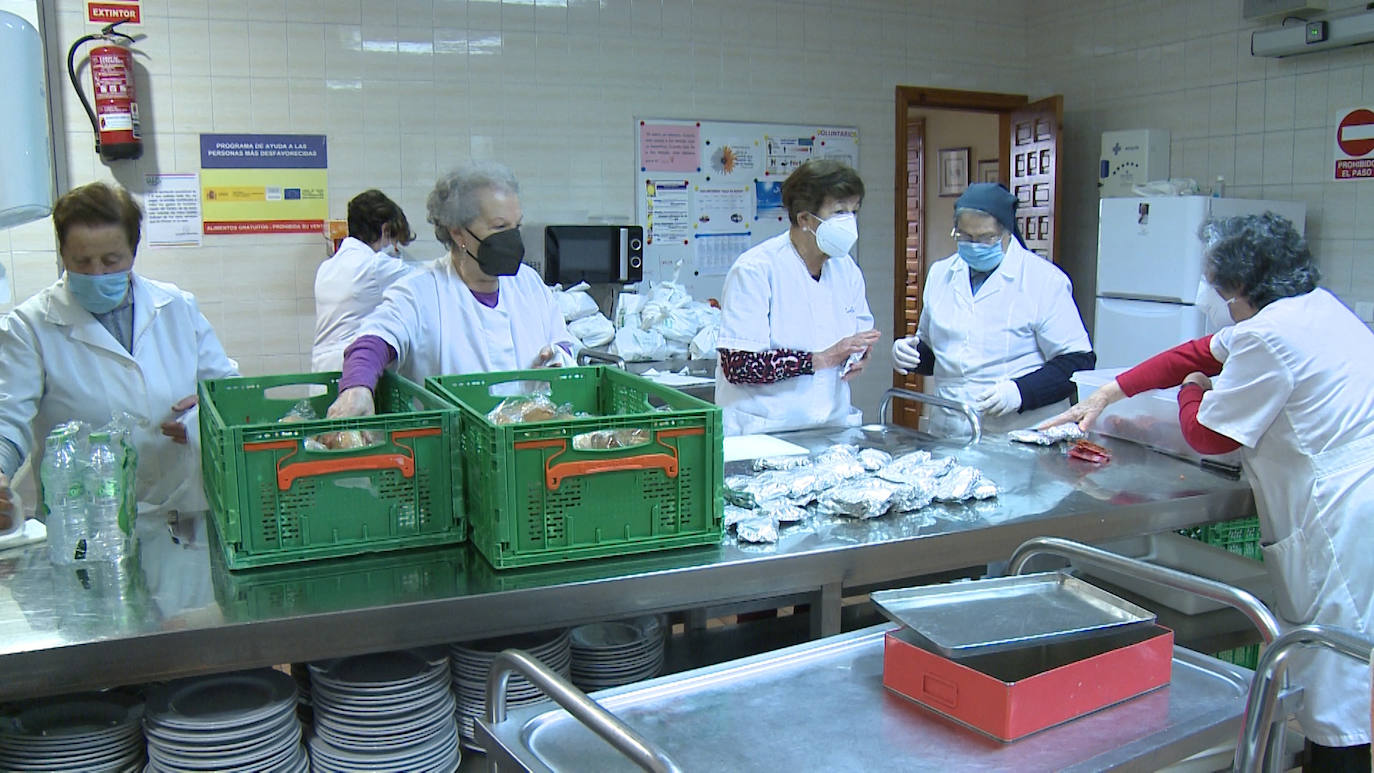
[(910, 267), (1035, 135)]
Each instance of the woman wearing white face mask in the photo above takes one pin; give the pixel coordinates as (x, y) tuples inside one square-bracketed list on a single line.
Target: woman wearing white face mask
[(481, 309), (1289, 386), (998, 328), (795, 325), (349, 285), (103, 340)]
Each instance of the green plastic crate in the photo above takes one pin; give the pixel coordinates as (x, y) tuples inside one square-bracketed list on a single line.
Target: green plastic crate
[(534, 499), (275, 502), (1240, 536), (1247, 657)]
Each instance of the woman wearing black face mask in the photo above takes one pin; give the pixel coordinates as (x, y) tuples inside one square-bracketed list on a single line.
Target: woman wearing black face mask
[(479, 309)]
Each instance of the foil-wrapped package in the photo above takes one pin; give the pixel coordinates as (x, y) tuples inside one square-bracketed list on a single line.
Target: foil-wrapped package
[(845, 468), (733, 515), (782, 512), (837, 453), (802, 486), (958, 484), (773, 484), (984, 489), (914, 467), (782, 462), (867, 498), (1048, 436), (874, 459), (913, 496), (757, 529)]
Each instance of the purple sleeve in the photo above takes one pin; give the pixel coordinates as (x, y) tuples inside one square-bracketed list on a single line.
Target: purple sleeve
[(364, 361)]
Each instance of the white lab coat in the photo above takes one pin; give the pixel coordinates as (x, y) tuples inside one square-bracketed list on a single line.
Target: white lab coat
[(770, 301), (348, 287), (437, 328), (1022, 317), (61, 364), (1294, 390)]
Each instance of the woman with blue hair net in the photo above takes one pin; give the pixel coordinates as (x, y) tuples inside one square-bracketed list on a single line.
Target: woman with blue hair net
[(998, 328), (1289, 386)]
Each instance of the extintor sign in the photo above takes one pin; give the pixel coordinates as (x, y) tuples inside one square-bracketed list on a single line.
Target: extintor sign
[(108, 11)]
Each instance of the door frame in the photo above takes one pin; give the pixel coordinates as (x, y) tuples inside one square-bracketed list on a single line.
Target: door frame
[(908, 97)]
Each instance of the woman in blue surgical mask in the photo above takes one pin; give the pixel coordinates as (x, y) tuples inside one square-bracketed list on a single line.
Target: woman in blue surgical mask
[(102, 340), (998, 329)]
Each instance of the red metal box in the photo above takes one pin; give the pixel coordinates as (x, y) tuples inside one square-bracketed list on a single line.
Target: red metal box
[(1010, 695)]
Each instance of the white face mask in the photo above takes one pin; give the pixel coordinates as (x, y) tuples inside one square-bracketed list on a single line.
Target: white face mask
[(837, 235), (1213, 306)]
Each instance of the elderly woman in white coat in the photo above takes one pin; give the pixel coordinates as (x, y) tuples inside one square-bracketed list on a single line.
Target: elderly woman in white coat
[(101, 340), (1289, 385), (795, 325), (482, 309), (998, 329), (350, 284)]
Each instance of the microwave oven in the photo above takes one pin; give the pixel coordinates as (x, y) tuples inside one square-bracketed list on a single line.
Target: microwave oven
[(611, 254)]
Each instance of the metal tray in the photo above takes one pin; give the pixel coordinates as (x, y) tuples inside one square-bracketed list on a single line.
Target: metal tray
[(960, 619)]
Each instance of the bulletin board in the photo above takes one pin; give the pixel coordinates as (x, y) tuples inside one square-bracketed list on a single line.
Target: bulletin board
[(706, 191)]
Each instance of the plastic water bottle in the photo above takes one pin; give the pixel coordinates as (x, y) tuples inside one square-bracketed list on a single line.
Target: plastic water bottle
[(105, 494), (64, 495)]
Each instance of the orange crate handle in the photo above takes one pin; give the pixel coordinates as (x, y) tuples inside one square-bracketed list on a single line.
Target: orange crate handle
[(288, 474), (555, 473)]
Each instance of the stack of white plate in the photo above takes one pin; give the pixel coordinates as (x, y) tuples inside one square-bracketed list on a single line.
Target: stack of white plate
[(391, 711), (90, 731), (244, 720), (472, 660), (614, 653)]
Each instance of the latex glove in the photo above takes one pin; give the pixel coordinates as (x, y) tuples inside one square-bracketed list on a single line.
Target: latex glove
[(905, 356), (837, 354), (1000, 399), (354, 401), (175, 428), (9, 504), (549, 357), (1085, 411)]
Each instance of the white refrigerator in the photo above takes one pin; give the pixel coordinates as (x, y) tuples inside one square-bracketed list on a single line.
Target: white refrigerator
[(1149, 264)]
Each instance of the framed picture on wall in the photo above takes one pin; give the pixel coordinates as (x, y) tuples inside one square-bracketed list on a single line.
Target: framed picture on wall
[(953, 171), (987, 170)]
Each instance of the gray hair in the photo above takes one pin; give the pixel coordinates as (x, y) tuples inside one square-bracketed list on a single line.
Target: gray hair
[(1259, 257), (454, 202)]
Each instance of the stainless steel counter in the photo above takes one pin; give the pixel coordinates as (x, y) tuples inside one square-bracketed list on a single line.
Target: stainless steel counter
[(179, 612), (822, 706)]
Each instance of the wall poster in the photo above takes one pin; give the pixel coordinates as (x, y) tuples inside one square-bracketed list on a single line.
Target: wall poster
[(709, 190)]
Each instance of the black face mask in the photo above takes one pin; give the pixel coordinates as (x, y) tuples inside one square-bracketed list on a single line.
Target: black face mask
[(500, 253)]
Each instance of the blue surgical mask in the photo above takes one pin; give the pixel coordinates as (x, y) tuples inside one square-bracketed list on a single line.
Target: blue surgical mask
[(98, 293), (981, 257)]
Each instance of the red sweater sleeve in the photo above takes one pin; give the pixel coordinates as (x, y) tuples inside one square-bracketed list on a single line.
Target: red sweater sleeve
[(1202, 439), (1169, 368)]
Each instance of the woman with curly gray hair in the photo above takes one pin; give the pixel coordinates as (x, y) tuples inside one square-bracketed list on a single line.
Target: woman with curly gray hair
[(480, 309), (1289, 385)]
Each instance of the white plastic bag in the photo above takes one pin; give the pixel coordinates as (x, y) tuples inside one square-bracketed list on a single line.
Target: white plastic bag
[(595, 330), (574, 302), (1176, 186), (703, 346), (635, 345), (679, 326), (627, 309)]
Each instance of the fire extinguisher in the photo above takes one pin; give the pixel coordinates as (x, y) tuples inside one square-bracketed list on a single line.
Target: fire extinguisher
[(115, 116)]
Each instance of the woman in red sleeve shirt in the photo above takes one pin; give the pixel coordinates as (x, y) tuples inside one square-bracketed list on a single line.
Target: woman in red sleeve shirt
[(1290, 385)]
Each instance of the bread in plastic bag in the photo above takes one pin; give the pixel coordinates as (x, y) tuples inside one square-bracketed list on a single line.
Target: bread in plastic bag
[(523, 409), (575, 303), (603, 439), (593, 330)]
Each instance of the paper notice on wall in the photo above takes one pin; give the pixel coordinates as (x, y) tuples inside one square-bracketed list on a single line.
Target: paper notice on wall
[(715, 253), (723, 208), (670, 212), (172, 202), (783, 154), (838, 144), (727, 157), (669, 147)]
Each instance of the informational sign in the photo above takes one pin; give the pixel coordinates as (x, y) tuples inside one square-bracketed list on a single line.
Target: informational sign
[(1355, 144), (709, 190), (108, 11), (172, 203), (263, 183)]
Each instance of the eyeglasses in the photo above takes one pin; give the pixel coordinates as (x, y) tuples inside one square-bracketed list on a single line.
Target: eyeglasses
[(987, 238)]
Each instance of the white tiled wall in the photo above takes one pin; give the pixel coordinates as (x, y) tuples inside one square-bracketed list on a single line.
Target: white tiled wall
[(408, 88), (1266, 125)]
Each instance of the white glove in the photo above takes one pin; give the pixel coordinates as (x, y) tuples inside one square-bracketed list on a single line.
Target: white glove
[(1000, 399), (905, 356)]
